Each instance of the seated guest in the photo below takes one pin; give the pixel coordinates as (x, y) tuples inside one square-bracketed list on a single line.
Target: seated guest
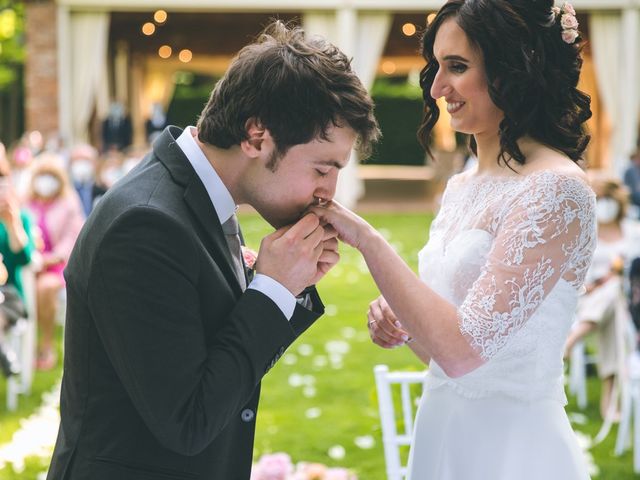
[(58, 214), (598, 307), (16, 250), (83, 166), (632, 181)]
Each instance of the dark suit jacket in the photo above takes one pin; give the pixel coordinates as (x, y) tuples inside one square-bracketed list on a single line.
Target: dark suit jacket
[(164, 353)]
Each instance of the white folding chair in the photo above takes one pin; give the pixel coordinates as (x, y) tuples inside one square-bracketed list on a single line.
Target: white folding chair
[(397, 429), (578, 374), (629, 428), (28, 351), (15, 340), (22, 339), (629, 390)]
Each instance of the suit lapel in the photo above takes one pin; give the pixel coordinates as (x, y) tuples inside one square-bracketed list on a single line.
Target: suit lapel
[(198, 201)]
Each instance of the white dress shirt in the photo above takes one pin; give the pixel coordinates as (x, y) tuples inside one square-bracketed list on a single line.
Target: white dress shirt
[(225, 206)]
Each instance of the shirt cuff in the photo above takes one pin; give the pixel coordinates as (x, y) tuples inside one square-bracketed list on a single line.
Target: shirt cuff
[(273, 289)]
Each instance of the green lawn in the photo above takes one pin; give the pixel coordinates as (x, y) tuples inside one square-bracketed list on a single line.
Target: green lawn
[(322, 393), (43, 382)]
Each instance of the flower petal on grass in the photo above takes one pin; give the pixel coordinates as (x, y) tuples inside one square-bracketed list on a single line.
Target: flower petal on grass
[(337, 452)]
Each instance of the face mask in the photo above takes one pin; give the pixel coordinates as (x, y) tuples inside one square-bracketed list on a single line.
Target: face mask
[(22, 157), (46, 185), (607, 210), (110, 176), (128, 165), (82, 171)]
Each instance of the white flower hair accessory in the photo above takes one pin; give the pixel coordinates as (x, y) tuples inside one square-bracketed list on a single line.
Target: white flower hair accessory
[(568, 22)]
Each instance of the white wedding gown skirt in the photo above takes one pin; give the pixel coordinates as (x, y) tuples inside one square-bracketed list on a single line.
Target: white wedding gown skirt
[(493, 438)]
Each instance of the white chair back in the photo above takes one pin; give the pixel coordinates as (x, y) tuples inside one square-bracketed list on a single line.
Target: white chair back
[(397, 428), (22, 339), (578, 374)]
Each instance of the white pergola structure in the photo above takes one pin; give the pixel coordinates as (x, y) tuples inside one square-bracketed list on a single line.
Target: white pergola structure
[(360, 28)]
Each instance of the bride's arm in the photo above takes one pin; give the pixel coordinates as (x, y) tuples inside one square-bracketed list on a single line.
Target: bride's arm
[(431, 321), (548, 232)]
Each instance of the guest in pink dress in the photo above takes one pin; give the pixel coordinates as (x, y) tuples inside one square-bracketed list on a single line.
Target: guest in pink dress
[(58, 213)]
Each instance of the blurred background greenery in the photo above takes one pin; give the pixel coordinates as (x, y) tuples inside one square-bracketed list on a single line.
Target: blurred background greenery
[(12, 55)]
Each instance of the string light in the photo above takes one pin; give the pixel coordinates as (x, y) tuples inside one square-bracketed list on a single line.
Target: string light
[(409, 29), (164, 51), (148, 28), (389, 67), (160, 16), (185, 55)]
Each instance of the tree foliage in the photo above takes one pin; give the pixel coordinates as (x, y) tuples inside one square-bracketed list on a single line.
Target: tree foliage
[(12, 51)]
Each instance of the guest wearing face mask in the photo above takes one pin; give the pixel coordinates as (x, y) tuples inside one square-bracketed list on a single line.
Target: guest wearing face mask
[(632, 181), (617, 245), (58, 214), (156, 123), (116, 129), (16, 250), (82, 167), (110, 169), (21, 158)]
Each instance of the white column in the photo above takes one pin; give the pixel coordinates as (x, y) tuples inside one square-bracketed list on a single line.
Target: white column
[(347, 29), (350, 187), (630, 82), (607, 45)]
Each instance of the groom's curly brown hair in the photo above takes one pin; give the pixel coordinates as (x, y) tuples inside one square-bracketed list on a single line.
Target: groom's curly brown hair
[(295, 87)]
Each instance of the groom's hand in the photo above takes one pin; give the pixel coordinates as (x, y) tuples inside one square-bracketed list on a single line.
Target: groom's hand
[(329, 256), (293, 255)]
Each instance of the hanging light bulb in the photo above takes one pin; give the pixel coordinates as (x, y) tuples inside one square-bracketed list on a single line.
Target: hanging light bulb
[(185, 55), (164, 51), (148, 28), (389, 67), (409, 29), (160, 16)]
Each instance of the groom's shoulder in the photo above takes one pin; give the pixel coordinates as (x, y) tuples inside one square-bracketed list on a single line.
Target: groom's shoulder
[(148, 188)]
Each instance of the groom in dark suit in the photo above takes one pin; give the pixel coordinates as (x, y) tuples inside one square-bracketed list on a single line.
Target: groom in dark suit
[(166, 344)]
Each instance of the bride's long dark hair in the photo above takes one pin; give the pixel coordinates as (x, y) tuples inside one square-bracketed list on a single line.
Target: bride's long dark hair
[(531, 71)]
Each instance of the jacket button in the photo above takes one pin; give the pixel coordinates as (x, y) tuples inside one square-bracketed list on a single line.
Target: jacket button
[(247, 415)]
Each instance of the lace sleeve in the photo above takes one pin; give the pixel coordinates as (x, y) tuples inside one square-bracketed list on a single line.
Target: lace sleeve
[(546, 233)]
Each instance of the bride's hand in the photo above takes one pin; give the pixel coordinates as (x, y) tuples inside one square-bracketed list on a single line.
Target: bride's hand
[(351, 228), (384, 328)]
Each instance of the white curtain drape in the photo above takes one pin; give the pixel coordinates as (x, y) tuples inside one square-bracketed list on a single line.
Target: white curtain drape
[(362, 36), (631, 81), (372, 33), (614, 42), (89, 42)]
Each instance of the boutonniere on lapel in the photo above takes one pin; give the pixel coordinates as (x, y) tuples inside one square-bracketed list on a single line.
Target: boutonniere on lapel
[(249, 256)]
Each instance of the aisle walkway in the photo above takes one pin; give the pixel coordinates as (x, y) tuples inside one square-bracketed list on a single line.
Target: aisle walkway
[(36, 436)]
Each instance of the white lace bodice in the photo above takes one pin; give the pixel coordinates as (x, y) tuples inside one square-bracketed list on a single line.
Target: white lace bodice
[(511, 254)]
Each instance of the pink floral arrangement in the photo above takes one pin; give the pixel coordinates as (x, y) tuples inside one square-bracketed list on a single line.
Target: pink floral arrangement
[(249, 256), (568, 22), (278, 466)]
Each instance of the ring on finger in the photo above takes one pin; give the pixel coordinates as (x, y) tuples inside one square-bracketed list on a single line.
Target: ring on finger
[(370, 323)]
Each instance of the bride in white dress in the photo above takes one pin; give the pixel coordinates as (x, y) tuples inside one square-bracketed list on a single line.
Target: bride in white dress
[(507, 253)]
